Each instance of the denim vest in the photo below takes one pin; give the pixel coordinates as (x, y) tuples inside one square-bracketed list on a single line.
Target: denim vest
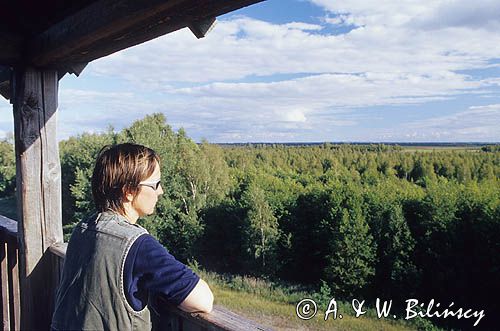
[(91, 294)]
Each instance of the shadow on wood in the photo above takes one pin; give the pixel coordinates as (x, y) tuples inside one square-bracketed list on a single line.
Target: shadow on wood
[(38, 183)]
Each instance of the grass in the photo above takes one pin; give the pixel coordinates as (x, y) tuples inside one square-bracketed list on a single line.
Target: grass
[(282, 316), (274, 306)]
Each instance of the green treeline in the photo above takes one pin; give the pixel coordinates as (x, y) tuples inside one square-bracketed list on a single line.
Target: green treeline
[(371, 221)]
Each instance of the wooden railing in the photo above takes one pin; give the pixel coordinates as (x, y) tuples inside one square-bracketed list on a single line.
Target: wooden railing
[(169, 318), (9, 275)]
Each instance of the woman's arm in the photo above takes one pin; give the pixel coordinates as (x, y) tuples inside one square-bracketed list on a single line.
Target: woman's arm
[(149, 268), (199, 300)]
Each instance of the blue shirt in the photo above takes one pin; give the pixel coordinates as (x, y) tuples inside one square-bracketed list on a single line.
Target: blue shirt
[(149, 267)]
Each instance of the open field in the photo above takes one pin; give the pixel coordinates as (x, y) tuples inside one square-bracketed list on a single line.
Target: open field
[(282, 316), (441, 148), (274, 306)]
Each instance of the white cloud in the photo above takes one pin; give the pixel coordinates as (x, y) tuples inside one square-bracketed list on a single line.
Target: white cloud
[(471, 14), (303, 26), (477, 123), (92, 111), (250, 78), (389, 41), (340, 20), (6, 118), (295, 115), (487, 117), (414, 14), (321, 92), (5, 111)]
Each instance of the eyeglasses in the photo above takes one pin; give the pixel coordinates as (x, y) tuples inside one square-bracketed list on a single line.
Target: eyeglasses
[(153, 185)]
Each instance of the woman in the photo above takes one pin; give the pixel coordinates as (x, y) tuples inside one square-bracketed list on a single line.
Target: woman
[(113, 266)]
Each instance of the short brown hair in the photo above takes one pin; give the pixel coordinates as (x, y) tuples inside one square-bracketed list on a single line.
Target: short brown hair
[(118, 170)]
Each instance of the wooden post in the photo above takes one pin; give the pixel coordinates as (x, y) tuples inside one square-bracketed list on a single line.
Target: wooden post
[(38, 180)]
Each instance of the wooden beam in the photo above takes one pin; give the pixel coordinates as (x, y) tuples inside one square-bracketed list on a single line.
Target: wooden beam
[(5, 74), (76, 68), (11, 48), (107, 26), (71, 68), (38, 179), (201, 28)]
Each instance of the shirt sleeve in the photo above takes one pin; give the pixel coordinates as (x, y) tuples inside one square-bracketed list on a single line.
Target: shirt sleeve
[(149, 267)]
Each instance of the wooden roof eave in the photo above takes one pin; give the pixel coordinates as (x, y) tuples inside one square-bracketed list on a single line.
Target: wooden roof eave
[(11, 47), (5, 75), (107, 26)]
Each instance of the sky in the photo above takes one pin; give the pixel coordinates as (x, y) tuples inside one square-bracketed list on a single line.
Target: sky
[(305, 71)]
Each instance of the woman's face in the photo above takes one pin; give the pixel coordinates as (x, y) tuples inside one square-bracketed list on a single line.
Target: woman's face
[(145, 201)]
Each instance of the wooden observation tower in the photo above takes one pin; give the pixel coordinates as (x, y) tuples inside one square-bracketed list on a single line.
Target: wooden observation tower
[(40, 42)]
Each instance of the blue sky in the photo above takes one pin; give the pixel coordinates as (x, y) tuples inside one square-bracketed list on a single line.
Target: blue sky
[(305, 71)]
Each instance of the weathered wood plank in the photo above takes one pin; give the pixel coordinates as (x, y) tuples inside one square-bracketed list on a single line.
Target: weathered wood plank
[(11, 48), (219, 319), (51, 187), (76, 68), (38, 189), (227, 320), (27, 108), (14, 283), (107, 26), (8, 236), (51, 169), (4, 278), (59, 249), (9, 274), (201, 28), (5, 74), (101, 19)]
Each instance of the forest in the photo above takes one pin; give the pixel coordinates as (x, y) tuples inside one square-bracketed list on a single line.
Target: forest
[(371, 221)]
